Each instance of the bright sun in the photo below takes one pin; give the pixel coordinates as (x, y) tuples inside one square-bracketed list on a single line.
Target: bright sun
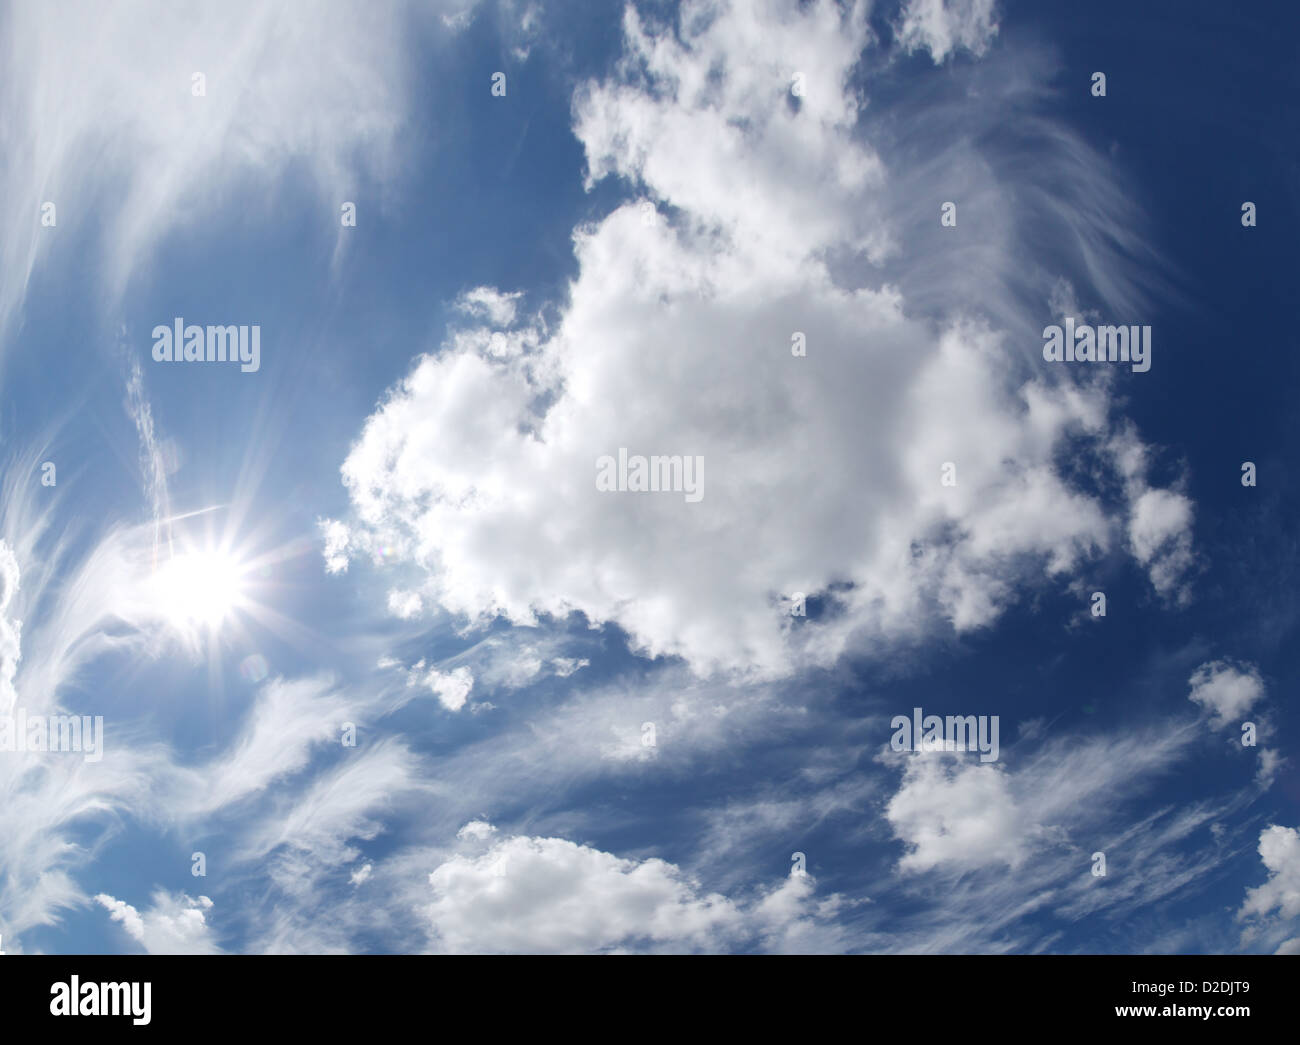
[(200, 587)]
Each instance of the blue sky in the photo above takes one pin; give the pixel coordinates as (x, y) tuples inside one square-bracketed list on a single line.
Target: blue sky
[(589, 721)]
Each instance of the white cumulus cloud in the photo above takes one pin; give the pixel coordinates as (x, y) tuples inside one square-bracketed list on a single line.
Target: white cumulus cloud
[(175, 924), (1224, 690), (943, 26), (452, 687), (549, 895), (823, 472), (1279, 848)]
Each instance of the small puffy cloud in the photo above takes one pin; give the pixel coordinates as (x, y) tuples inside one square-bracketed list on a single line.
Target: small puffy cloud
[(476, 830), (514, 664), (336, 545), (943, 26), (1279, 848), (498, 662), (361, 874), (1269, 763), (457, 14), (956, 813), (1160, 537), (1224, 690), (566, 666), (175, 924), (790, 921), (404, 604), (123, 912), (452, 687), (491, 304)]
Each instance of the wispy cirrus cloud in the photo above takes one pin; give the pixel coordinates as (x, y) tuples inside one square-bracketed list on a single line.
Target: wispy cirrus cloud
[(101, 118)]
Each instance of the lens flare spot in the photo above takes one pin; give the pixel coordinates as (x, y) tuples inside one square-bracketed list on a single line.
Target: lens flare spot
[(253, 668)]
